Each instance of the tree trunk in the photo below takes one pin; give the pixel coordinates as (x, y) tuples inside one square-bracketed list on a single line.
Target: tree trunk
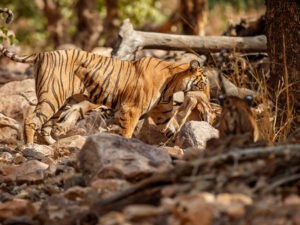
[(111, 22), (193, 16), (56, 23), (89, 26), (282, 30)]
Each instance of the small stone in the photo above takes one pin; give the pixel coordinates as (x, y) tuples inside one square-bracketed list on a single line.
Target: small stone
[(6, 157), (174, 151)]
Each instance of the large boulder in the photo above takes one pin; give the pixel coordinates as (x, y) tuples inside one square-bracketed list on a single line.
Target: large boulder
[(112, 156)]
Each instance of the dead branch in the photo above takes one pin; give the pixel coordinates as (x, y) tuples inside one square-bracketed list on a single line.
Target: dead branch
[(131, 40)]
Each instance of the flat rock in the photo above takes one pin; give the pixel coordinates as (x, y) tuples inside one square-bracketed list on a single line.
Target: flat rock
[(36, 151), (194, 134), (30, 171), (112, 156)]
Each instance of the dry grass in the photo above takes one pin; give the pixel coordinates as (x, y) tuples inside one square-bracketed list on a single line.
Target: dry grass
[(273, 117)]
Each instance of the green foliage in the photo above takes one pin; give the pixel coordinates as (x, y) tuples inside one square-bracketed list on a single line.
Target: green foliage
[(237, 4), (33, 26), (141, 11)]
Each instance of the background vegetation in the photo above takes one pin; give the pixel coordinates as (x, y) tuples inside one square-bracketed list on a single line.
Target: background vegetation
[(30, 24)]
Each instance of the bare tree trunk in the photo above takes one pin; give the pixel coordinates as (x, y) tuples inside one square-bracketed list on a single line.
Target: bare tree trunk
[(193, 16), (89, 26), (282, 30), (56, 24), (111, 22)]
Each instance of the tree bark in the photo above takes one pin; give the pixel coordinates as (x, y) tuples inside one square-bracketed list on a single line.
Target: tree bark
[(89, 26), (282, 30), (193, 15)]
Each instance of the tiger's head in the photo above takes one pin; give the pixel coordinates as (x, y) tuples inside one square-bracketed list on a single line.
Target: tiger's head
[(237, 117), (194, 79)]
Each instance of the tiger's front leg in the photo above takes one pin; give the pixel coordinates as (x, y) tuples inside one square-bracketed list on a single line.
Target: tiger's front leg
[(127, 118)]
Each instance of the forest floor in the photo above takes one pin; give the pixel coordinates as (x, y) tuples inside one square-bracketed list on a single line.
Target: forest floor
[(89, 177)]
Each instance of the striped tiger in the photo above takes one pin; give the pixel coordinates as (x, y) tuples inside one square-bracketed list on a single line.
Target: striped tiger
[(237, 116), (131, 88)]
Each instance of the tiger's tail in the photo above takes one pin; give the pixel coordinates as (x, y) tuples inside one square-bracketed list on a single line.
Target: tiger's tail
[(11, 55), (17, 58)]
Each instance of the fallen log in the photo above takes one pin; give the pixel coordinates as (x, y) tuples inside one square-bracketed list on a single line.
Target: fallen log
[(132, 40)]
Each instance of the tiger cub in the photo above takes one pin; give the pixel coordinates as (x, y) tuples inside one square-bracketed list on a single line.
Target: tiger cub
[(236, 116)]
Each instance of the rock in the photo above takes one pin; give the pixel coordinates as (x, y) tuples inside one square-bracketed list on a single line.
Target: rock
[(16, 207), (233, 204), (93, 122), (108, 187), (58, 209), (69, 145), (175, 151), (139, 212), (189, 209), (36, 151), (112, 156), (30, 171), (71, 142), (6, 157), (150, 134), (10, 130), (292, 200), (19, 158), (194, 134), (15, 98)]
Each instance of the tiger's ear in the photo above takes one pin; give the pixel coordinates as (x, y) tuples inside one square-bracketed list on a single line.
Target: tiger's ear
[(249, 100), (221, 99), (194, 65)]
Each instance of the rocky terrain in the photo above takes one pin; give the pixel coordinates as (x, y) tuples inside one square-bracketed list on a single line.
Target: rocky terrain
[(90, 176)]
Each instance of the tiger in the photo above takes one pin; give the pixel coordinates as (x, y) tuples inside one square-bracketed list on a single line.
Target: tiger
[(237, 117), (131, 88)]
